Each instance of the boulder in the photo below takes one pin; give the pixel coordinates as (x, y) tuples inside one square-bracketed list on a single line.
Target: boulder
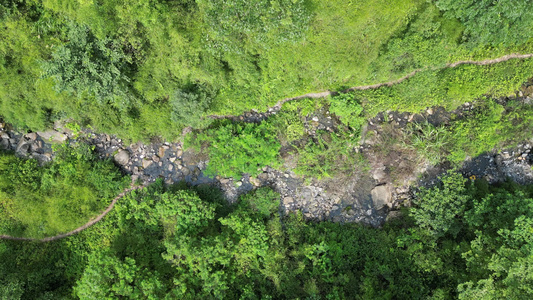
[(31, 136), (381, 196), (255, 181), (23, 147), (52, 136), (122, 157)]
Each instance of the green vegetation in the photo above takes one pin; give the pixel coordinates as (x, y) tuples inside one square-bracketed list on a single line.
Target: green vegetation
[(236, 148), (150, 68), (490, 125), (463, 239), (44, 201), (448, 88)]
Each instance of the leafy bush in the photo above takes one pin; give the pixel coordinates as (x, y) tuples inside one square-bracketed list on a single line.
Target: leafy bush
[(438, 209), (90, 67), (189, 107), (349, 110), (263, 200), (236, 148), (492, 22)]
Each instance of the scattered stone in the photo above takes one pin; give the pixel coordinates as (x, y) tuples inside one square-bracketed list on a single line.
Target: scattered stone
[(238, 183), (170, 167), (146, 163), (161, 152), (186, 171), (288, 201)]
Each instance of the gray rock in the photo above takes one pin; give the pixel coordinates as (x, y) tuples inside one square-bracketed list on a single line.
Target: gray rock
[(52, 136), (186, 171), (122, 157), (288, 201), (23, 147), (147, 163), (31, 136), (381, 196)]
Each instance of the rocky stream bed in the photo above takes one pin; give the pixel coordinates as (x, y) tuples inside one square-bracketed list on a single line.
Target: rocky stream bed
[(367, 197)]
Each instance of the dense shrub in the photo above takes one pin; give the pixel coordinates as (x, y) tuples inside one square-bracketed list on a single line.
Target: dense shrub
[(237, 148)]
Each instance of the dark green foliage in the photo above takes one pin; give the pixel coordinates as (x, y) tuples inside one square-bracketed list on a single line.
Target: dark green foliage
[(492, 22), (263, 200), (43, 201), (168, 242), (237, 148), (86, 66), (189, 107), (438, 209)]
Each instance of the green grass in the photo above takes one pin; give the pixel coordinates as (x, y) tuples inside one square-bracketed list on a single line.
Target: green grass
[(449, 88), (489, 126), (44, 201)]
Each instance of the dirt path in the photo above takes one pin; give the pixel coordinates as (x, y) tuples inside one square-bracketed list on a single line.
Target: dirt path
[(278, 105), (81, 228)]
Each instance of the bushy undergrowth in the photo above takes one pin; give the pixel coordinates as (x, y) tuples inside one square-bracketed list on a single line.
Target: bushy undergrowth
[(43, 201), (462, 239), (490, 125), (329, 154), (237, 148)]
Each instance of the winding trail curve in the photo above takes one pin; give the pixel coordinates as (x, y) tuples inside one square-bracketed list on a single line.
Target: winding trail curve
[(81, 228), (278, 105)]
